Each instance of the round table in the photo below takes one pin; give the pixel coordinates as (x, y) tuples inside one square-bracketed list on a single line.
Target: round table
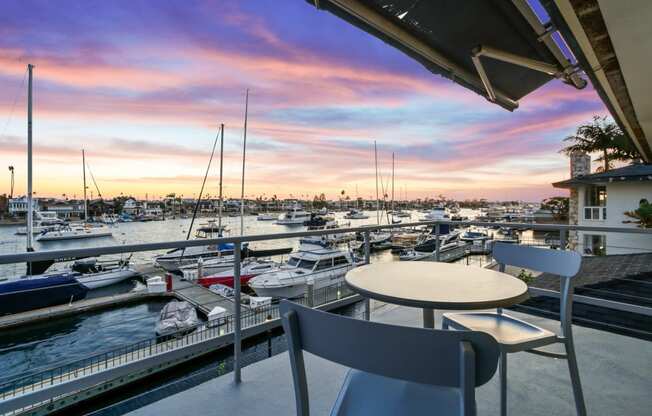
[(432, 285)]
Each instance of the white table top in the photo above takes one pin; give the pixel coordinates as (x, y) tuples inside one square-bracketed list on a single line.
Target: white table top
[(435, 285)]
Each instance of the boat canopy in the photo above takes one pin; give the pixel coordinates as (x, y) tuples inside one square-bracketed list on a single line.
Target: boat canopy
[(498, 49)]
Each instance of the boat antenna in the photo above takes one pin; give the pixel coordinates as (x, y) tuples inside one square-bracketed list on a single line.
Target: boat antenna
[(244, 153), (219, 212), (377, 200), (201, 191), (30, 213)]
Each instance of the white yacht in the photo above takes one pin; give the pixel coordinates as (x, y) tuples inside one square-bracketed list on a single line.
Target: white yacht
[(109, 218), (356, 214), (173, 260), (312, 264), (44, 221), (294, 216), (74, 232), (437, 213)]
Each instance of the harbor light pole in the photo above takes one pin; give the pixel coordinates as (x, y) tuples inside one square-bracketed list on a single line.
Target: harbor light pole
[(11, 189)]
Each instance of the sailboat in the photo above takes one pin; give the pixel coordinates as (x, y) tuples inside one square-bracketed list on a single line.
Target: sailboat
[(79, 231), (41, 290)]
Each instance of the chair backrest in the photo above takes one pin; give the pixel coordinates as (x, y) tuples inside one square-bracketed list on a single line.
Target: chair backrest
[(564, 263), (420, 355)]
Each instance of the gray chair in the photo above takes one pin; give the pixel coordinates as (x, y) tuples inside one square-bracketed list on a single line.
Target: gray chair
[(515, 335), (394, 370)]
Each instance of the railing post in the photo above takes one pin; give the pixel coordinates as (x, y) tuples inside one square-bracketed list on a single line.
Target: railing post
[(562, 239), (367, 260), (310, 294), (437, 244), (237, 334)]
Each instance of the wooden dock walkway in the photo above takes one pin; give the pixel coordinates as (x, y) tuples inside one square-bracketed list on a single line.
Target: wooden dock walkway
[(200, 297)]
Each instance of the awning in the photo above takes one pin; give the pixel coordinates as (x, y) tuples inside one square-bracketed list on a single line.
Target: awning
[(612, 42), (497, 48)]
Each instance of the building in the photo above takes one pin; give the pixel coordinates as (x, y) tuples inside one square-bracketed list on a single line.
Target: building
[(65, 209), (17, 207), (601, 199), (132, 207)]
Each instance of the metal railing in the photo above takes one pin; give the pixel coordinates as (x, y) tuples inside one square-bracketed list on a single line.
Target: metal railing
[(146, 350)]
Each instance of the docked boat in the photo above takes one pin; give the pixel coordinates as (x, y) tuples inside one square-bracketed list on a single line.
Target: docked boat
[(109, 219), (471, 236), (173, 260), (316, 265), (75, 232), (415, 255), (249, 269), (40, 291), (356, 214), (294, 216), (429, 244), (402, 214), (266, 217), (95, 273), (177, 318), (437, 213), (44, 221)]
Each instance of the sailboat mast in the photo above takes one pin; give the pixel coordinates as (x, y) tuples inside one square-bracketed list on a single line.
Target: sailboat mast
[(244, 153), (85, 200), (219, 214), (392, 183), (377, 197), (30, 213)]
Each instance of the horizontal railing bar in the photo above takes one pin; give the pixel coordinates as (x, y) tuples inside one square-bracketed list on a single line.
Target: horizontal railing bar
[(128, 248), (590, 300)]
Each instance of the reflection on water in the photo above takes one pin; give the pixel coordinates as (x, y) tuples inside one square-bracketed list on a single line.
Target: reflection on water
[(48, 344)]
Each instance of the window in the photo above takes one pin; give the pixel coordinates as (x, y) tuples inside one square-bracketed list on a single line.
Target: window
[(324, 264), (595, 196), (293, 261), (305, 264), (337, 261), (595, 244)]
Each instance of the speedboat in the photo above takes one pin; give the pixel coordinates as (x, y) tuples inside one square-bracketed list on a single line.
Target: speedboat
[(414, 255), (95, 273), (249, 269), (177, 318), (294, 216), (430, 243), (68, 232), (44, 221), (356, 214), (266, 217), (472, 236), (319, 266), (402, 214), (109, 218), (40, 291), (174, 259)]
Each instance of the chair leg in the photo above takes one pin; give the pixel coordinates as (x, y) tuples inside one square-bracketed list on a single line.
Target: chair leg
[(502, 369), (580, 406)]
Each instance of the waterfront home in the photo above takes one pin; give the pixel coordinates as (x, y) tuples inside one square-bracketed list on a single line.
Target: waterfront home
[(132, 207), (602, 199), (17, 207)]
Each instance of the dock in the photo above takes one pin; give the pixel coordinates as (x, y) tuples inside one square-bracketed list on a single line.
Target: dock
[(200, 297)]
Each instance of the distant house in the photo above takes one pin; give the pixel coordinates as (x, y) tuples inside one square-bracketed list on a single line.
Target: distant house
[(601, 199), (132, 207), (17, 207), (65, 209)]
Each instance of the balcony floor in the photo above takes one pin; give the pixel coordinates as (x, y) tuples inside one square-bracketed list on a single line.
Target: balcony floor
[(616, 374)]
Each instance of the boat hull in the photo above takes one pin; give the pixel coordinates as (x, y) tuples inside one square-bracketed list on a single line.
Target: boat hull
[(75, 236), (35, 293), (224, 280), (103, 279)]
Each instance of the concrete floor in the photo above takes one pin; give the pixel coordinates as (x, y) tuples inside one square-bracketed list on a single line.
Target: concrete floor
[(616, 374)]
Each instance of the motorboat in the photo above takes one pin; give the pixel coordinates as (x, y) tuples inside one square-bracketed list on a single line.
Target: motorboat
[(356, 214), (337, 238), (44, 221), (266, 217), (378, 240), (75, 232), (414, 255), (208, 266), (177, 318), (471, 236), (402, 214), (315, 221), (318, 266), (437, 213), (40, 291), (249, 269), (174, 259), (429, 244), (210, 229), (294, 216), (96, 273), (109, 219)]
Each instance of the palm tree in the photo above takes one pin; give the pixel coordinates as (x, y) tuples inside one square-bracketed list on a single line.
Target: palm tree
[(601, 136), (642, 215)]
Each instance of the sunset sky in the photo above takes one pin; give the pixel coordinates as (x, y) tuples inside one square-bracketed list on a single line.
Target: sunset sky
[(142, 86)]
